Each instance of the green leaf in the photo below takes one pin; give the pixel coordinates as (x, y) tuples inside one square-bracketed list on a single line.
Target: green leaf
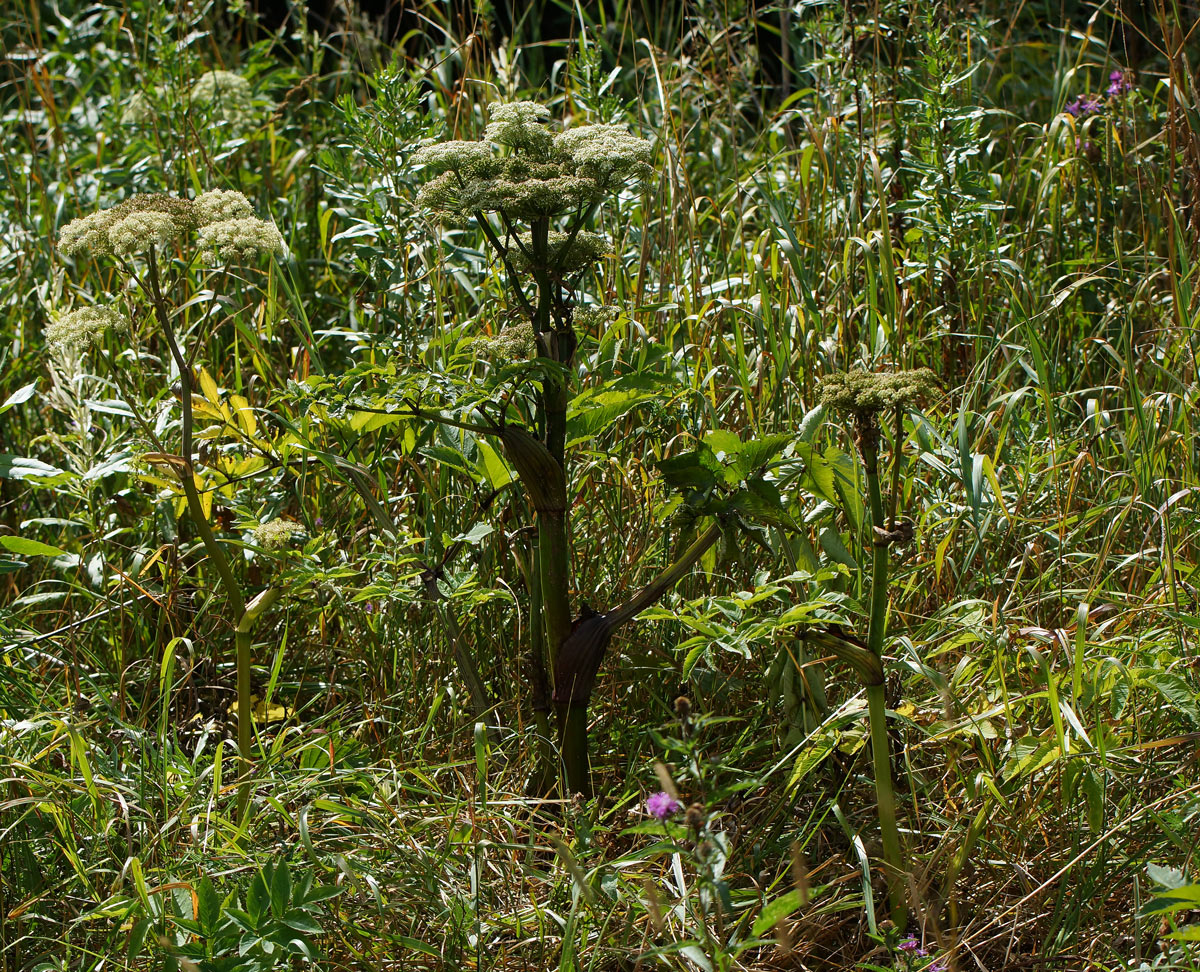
[(1176, 691), (688, 472), (775, 911), (475, 534), (721, 440), (495, 468), (759, 451), (1166, 877), (208, 906), (813, 756), (281, 889), (30, 548), (18, 467), (1185, 898), (20, 396), (594, 410)]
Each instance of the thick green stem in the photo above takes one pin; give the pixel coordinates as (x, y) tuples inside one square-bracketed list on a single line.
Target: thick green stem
[(573, 743), (877, 706), (555, 577), (545, 773), (244, 638)]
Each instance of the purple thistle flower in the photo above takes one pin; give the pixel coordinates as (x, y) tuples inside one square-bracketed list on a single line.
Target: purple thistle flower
[(912, 945), (1121, 83), (1083, 106), (661, 805)]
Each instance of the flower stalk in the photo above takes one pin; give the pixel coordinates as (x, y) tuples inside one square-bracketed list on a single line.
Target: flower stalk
[(865, 396)]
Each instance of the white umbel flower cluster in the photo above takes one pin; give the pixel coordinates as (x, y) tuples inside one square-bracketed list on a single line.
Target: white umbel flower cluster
[(217, 205), (235, 240), (228, 228), (224, 96), (520, 125), (80, 329), (540, 175), (276, 534), (516, 342), (140, 231)]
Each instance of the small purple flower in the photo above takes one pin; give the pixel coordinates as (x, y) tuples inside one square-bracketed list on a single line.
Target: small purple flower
[(1121, 83), (661, 805), (913, 946), (1083, 106), (937, 966)]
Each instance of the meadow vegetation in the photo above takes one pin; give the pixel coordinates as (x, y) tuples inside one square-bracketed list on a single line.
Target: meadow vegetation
[(616, 487)]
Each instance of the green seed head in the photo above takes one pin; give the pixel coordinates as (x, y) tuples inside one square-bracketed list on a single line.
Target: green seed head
[(866, 393)]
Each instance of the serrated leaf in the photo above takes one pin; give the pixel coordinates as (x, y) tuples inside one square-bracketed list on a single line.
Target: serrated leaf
[(281, 889), (475, 534), (688, 472), (1166, 877), (1176, 691), (813, 756), (208, 906), (724, 441), (496, 469), (759, 451)]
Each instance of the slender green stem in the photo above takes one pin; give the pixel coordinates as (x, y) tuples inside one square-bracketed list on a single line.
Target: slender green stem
[(244, 638), (186, 473), (877, 706)]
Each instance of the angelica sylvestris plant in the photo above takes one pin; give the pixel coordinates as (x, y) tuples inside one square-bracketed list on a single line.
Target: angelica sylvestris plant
[(865, 396), (532, 192), (143, 235)]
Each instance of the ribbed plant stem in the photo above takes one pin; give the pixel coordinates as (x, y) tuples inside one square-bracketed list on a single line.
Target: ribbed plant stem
[(876, 704)]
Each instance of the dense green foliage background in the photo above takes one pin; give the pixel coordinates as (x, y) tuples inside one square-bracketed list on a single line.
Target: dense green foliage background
[(879, 185)]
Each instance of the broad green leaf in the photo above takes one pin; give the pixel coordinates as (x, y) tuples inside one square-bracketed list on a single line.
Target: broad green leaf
[(759, 451), (498, 473), (688, 472), (1176, 691), (30, 548), (723, 441)]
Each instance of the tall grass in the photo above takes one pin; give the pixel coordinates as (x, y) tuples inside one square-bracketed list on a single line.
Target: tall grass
[(906, 191)]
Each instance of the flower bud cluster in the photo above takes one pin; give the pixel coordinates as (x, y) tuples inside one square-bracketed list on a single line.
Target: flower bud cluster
[(596, 319), (276, 534), (515, 343), (234, 240), (155, 221), (219, 96), (542, 175), (865, 393), (80, 329), (564, 254)]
